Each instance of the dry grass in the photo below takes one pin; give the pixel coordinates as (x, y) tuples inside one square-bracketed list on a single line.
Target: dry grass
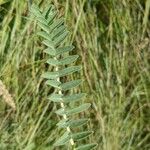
[(6, 95)]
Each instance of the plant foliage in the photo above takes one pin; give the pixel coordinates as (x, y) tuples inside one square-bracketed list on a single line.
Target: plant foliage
[(54, 32)]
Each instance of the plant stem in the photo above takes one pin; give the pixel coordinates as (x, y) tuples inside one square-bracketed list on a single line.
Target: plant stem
[(63, 107)]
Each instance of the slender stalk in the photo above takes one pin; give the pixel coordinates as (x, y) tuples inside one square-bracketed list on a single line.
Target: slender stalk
[(63, 107)]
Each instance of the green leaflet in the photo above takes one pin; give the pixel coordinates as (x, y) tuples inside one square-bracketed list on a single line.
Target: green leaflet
[(47, 11), (79, 109), (44, 35), (63, 139), (62, 50), (44, 27), (48, 43), (87, 147), (60, 112), (42, 20), (62, 123), (73, 111), (51, 51), (51, 17), (58, 51), (66, 99), (56, 41), (64, 61), (56, 24), (69, 85), (53, 83), (64, 86), (69, 70), (72, 123), (61, 73), (60, 38), (56, 98), (78, 122), (35, 11), (58, 31), (51, 75), (81, 135), (73, 97), (47, 14)]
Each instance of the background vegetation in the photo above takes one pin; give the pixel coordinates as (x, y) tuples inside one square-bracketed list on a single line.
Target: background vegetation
[(112, 38)]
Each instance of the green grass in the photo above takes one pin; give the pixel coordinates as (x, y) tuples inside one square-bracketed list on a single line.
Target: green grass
[(112, 39)]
